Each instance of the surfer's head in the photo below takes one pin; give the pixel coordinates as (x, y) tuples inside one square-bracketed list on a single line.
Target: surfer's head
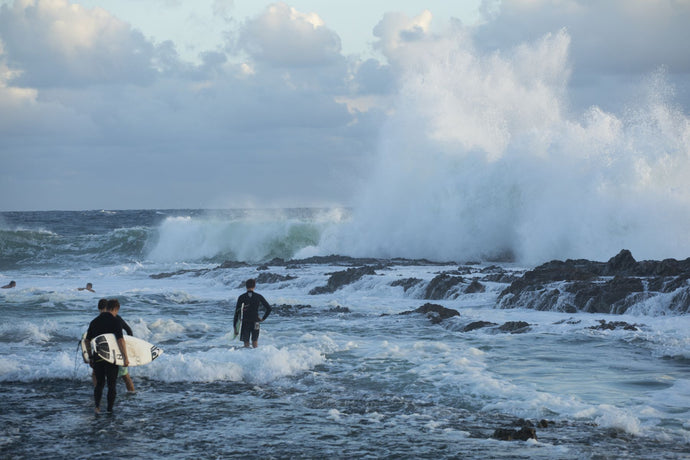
[(102, 304), (251, 284), (113, 306)]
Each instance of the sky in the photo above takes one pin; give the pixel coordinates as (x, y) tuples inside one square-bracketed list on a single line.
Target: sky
[(125, 104)]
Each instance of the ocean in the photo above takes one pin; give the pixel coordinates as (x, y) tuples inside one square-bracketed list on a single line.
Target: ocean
[(339, 372)]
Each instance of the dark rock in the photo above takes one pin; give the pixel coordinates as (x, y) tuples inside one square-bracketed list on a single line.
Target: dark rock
[(289, 310), (270, 278), (233, 264), (500, 278), (613, 325), (195, 272), (343, 278), (440, 287), (597, 287), (436, 313), (339, 309), (406, 283), (507, 434), (262, 268), (514, 327), (477, 325), (475, 287)]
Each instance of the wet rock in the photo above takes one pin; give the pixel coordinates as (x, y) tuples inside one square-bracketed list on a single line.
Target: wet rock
[(441, 287), (478, 325), (263, 267), (339, 279), (507, 434), (195, 272), (407, 283), (289, 310), (339, 309), (475, 287), (600, 287), (514, 327), (271, 278), (436, 313), (233, 264), (613, 325)]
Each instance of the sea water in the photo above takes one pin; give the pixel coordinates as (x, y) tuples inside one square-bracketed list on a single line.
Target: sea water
[(336, 375)]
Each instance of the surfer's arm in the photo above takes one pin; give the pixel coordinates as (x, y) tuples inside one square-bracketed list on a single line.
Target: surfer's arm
[(125, 326), (123, 349), (267, 307)]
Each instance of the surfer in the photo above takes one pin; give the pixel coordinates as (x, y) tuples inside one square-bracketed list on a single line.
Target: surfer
[(248, 308), (123, 371), (10, 285), (106, 323), (89, 287)]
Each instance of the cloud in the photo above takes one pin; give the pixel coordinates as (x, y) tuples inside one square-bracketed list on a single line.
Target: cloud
[(284, 37), (613, 37), (56, 43)]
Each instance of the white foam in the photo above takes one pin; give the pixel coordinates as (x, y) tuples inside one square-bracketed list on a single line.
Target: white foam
[(258, 366), (481, 157)]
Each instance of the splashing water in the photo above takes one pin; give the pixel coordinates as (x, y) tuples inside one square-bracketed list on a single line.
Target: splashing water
[(481, 159)]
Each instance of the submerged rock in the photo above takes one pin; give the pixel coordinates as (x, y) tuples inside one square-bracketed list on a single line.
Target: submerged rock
[(478, 325), (442, 287), (270, 278), (407, 283), (475, 287), (507, 434), (436, 313), (613, 325), (343, 278)]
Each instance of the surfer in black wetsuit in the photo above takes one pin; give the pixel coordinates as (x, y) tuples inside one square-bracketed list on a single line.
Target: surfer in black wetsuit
[(123, 371), (248, 306), (106, 323)]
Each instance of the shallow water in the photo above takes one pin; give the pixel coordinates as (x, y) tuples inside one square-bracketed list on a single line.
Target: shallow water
[(339, 375)]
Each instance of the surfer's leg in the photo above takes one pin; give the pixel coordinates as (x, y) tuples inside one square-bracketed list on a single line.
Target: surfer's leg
[(111, 374), (128, 382), (99, 374), (255, 336)]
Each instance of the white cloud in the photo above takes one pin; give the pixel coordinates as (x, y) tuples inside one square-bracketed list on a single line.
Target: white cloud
[(282, 36), (56, 43)]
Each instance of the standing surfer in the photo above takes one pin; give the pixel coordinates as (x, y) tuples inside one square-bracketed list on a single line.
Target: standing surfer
[(123, 371), (106, 323), (248, 309)]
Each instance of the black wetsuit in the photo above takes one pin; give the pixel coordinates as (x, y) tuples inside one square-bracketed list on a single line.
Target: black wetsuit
[(250, 318), (125, 326), (105, 323)]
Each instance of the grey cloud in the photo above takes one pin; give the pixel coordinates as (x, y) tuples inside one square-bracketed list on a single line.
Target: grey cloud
[(617, 36)]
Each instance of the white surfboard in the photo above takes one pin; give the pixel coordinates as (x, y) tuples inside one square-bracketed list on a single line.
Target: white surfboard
[(84, 348), (238, 324), (139, 351)]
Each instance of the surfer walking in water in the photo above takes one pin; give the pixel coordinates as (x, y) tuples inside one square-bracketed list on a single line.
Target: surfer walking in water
[(247, 308), (123, 370), (106, 323)]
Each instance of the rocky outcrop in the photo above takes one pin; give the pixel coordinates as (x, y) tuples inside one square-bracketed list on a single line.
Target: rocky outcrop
[(271, 278), (442, 287), (601, 287), (436, 313), (407, 283), (339, 279), (475, 287)]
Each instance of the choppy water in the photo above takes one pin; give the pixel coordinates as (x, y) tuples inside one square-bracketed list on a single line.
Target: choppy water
[(337, 375)]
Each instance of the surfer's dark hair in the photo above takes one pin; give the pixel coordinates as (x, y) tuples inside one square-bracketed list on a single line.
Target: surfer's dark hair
[(103, 304), (251, 283), (113, 304)]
